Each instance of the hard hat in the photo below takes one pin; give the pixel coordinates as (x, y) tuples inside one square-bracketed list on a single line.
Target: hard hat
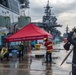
[(45, 39)]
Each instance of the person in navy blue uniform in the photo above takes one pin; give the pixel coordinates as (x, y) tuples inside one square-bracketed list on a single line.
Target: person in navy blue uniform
[(72, 39), (21, 49)]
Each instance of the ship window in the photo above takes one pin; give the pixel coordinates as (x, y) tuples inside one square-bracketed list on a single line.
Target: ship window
[(13, 5)]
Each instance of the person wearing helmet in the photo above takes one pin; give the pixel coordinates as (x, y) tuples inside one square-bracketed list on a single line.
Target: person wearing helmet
[(49, 49), (4, 53)]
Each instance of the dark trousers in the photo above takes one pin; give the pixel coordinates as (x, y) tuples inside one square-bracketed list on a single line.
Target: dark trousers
[(48, 57), (73, 69), (6, 56), (20, 54)]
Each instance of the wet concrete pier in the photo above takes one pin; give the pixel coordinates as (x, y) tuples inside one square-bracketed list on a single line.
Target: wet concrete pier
[(36, 66)]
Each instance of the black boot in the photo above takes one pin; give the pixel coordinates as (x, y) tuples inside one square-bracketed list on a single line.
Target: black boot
[(7, 59)]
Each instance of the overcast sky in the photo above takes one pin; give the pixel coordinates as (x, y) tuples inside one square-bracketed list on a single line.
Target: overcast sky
[(64, 10)]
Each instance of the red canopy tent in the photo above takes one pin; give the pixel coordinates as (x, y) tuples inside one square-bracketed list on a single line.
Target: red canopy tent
[(29, 32)]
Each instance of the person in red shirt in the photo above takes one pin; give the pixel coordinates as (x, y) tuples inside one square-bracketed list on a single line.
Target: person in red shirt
[(49, 49)]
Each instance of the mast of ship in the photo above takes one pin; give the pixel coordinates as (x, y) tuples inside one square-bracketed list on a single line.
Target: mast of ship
[(46, 18), (67, 29), (49, 20)]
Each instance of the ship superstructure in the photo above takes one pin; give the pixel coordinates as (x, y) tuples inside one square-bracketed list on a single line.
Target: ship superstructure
[(10, 12), (10, 8)]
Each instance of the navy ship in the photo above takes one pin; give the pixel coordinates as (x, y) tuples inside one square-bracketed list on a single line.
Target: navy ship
[(10, 11)]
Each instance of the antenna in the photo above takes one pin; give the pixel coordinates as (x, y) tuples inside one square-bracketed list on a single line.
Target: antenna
[(48, 2)]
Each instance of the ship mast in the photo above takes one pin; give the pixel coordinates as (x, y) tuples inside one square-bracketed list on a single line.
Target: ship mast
[(49, 20)]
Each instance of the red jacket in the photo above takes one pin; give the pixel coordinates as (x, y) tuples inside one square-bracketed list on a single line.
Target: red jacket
[(49, 46)]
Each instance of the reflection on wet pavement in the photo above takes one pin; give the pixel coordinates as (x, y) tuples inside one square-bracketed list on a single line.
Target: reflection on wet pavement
[(36, 66)]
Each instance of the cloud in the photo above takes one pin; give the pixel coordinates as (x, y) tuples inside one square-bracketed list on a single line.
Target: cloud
[(67, 19)]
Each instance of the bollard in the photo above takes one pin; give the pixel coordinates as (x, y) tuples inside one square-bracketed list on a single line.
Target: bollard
[(38, 46)]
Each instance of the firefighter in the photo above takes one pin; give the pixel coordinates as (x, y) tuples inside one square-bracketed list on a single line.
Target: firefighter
[(4, 53), (49, 49)]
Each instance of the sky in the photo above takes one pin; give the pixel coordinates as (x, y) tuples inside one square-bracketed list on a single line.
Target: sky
[(64, 10)]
